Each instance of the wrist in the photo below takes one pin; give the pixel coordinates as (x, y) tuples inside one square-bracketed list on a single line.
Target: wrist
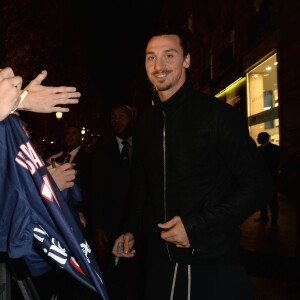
[(21, 105)]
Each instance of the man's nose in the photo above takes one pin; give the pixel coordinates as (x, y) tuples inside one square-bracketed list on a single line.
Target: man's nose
[(159, 63)]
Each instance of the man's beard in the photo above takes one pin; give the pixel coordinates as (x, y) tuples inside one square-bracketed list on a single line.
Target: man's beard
[(164, 86)]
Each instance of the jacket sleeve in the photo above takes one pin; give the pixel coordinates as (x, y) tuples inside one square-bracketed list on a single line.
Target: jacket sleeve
[(244, 186)]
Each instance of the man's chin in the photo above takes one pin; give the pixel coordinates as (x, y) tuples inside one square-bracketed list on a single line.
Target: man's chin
[(161, 87)]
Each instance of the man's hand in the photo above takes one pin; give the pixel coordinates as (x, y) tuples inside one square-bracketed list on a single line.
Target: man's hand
[(127, 239), (63, 175), (10, 86), (46, 99), (54, 156), (174, 232)]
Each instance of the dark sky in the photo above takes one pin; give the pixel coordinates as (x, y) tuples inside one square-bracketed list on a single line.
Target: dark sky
[(116, 39), (96, 46), (116, 44), (113, 41), (104, 38)]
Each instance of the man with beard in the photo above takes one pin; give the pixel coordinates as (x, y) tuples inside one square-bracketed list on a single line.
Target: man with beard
[(198, 176)]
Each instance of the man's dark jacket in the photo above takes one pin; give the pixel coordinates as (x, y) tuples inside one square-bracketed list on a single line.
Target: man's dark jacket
[(194, 158), (83, 165), (111, 187)]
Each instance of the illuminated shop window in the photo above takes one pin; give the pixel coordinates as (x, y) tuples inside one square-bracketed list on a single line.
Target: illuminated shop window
[(263, 99), (235, 94)]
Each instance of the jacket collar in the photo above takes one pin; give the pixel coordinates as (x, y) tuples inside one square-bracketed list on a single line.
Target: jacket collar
[(176, 100)]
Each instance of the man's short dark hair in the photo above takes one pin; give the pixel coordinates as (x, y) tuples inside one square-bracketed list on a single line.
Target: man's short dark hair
[(183, 34)]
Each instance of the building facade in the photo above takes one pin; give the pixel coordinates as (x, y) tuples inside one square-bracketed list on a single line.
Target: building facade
[(246, 53)]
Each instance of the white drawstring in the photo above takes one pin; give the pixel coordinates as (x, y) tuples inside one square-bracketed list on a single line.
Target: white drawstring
[(189, 282), (174, 281)]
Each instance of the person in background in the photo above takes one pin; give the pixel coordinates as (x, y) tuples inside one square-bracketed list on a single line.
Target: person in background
[(197, 176), (111, 190), (40, 98), (75, 153), (271, 155)]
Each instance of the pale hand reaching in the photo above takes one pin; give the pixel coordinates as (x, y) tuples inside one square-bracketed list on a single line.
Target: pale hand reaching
[(47, 99)]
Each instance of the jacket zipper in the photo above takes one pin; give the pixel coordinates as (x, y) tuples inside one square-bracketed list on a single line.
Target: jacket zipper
[(165, 177)]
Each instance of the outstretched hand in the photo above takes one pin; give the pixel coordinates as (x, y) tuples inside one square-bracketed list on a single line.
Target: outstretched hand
[(47, 99)]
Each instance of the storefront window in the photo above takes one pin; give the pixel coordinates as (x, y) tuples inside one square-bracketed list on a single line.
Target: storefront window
[(235, 94), (263, 99)]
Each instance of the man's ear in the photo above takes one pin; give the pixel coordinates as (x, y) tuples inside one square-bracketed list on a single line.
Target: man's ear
[(187, 61)]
